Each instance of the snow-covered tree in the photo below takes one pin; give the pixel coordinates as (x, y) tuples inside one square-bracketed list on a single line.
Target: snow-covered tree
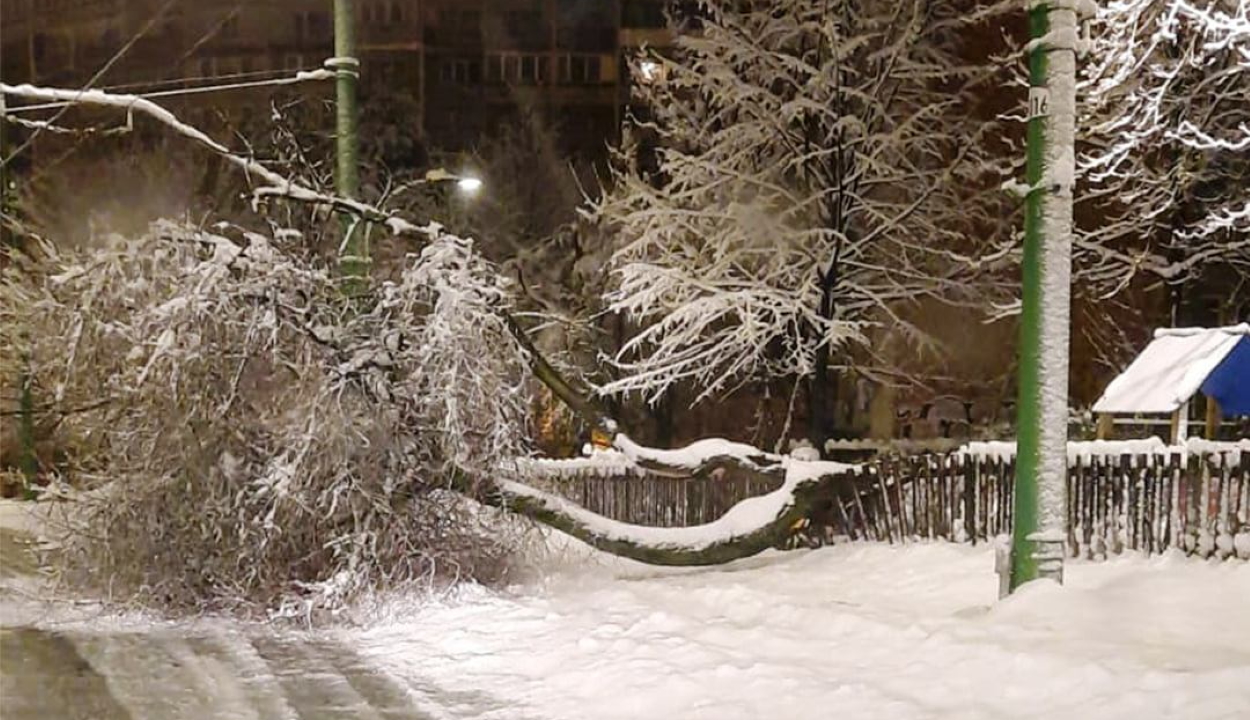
[(259, 438), (803, 169), (1167, 153)]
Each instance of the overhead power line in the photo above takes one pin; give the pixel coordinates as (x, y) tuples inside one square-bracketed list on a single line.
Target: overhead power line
[(147, 27), (300, 77)]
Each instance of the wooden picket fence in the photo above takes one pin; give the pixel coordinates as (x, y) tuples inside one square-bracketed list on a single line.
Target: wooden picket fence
[(1199, 504), (660, 501)]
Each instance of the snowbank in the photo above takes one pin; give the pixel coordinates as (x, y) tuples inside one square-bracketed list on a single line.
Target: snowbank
[(865, 631)]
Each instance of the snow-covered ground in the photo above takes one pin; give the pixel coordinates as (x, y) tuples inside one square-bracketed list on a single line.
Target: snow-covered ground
[(857, 631)]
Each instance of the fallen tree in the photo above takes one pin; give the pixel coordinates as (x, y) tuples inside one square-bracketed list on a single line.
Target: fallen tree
[(246, 392)]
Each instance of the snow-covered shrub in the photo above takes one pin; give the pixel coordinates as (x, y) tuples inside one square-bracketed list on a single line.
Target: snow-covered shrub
[(267, 442)]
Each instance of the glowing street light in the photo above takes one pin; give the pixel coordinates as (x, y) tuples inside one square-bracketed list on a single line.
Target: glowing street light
[(649, 70), (469, 185)]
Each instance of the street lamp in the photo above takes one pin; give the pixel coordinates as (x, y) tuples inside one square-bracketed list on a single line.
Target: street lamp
[(466, 184), (469, 185), (649, 70)]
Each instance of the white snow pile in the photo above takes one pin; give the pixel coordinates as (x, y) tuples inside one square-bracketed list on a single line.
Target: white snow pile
[(692, 455), (857, 631)]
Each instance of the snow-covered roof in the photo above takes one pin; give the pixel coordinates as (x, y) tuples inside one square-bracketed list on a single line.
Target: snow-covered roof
[(1179, 362)]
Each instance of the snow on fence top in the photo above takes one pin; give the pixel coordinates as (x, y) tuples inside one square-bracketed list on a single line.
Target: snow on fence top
[(628, 458), (1087, 449), (903, 446), (618, 464), (1176, 364), (600, 463)]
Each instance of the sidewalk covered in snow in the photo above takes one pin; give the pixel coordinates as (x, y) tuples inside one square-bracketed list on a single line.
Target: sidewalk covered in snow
[(1178, 364)]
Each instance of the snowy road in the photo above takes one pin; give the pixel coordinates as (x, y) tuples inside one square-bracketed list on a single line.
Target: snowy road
[(60, 662), (860, 632), (166, 675)]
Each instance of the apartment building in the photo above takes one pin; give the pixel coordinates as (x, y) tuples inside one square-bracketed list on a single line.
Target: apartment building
[(466, 65)]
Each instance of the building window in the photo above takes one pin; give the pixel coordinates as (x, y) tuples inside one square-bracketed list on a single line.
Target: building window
[(461, 27), (517, 68), (312, 27), (580, 69), (461, 71), (381, 12)]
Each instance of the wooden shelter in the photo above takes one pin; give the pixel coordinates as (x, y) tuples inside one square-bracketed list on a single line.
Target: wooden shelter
[(1177, 365)]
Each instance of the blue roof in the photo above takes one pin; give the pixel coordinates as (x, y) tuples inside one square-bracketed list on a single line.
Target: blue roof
[(1229, 382)]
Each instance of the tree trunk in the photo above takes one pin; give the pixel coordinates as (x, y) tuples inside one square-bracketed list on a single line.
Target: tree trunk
[(664, 415), (712, 545), (823, 389), (822, 401)]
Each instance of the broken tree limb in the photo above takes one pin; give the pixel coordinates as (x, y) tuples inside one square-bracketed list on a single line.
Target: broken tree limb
[(269, 183), (581, 402), (748, 528)]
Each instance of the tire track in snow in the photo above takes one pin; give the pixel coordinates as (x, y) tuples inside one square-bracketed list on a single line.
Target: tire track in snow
[(155, 675), (42, 676)]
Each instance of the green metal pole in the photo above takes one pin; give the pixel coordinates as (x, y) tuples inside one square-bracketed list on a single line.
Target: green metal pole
[(1038, 531), (28, 459), (354, 252), (1023, 566), (5, 199)]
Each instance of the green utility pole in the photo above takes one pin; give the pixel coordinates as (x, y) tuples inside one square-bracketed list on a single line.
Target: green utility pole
[(28, 460), (5, 199), (354, 252), (1039, 532)]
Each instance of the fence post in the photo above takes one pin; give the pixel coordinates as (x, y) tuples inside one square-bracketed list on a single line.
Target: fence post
[(970, 498), (899, 469), (1194, 512)]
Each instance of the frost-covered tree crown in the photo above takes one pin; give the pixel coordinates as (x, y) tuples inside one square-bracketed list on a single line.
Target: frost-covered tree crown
[(1167, 120), (815, 165)]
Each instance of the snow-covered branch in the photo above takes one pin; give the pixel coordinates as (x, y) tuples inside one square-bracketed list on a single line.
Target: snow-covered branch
[(269, 184), (1167, 129), (748, 528)]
